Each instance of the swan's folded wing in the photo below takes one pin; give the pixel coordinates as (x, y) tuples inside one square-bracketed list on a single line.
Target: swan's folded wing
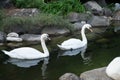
[(72, 41), (25, 53)]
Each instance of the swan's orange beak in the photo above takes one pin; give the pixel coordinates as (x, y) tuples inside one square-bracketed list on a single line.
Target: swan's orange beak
[(91, 30), (49, 38)]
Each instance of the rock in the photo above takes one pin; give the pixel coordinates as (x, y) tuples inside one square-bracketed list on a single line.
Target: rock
[(116, 15), (78, 25), (5, 3), (99, 21), (77, 17), (13, 34), (107, 12), (73, 17), (30, 37), (13, 37), (98, 30), (116, 25), (113, 69), (84, 16), (95, 74), (94, 7), (23, 12), (117, 6), (2, 37), (69, 76), (55, 31)]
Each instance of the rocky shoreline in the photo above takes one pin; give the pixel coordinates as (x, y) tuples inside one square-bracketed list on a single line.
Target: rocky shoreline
[(96, 16), (95, 74)]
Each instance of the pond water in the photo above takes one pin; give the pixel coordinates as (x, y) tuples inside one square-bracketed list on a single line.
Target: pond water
[(98, 53)]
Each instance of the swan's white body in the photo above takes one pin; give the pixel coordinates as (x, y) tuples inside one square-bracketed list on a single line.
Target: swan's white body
[(73, 52), (75, 43), (28, 52)]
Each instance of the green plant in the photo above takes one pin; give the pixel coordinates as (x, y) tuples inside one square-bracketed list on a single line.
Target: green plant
[(2, 15), (28, 3), (63, 7), (111, 6)]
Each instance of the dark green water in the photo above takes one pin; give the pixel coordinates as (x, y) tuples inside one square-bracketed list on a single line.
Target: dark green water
[(99, 53)]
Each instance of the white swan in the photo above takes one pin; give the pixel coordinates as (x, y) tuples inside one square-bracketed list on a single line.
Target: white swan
[(76, 43), (29, 53)]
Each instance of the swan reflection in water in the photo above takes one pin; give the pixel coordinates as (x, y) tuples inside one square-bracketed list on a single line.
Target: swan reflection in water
[(116, 28), (81, 51), (27, 63), (116, 25)]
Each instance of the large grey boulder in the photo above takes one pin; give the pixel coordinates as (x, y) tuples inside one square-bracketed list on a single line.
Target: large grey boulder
[(73, 17), (99, 21), (2, 37), (117, 6), (107, 12), (77, 17), (13, 36), (78, 25), (6, 3), (30, 37), (94, 7), (23, 12), (116, 15), (113, 69), (69, 76), (55, 31), (95, 74)]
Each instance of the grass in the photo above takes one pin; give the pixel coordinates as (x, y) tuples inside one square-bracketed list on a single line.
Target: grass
[(40, 20), (2, 16), (63, 7)]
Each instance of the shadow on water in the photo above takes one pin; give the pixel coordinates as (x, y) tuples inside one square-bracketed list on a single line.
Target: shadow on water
[(116, 25), (75, 52), (98, 53)]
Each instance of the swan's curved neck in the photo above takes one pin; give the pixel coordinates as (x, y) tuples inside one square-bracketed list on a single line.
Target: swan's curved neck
[(84, 39), (45, 50)]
